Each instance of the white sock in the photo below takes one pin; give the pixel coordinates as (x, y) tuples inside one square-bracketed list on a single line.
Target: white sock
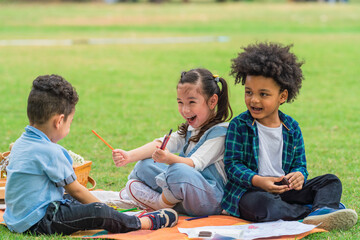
[(162, 204)]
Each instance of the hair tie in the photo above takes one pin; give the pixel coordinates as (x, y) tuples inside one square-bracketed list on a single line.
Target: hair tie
[(216, 78)]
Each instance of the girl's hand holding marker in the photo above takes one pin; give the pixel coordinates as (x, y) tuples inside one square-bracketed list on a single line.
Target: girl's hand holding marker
[(166, 139), (160, 156)]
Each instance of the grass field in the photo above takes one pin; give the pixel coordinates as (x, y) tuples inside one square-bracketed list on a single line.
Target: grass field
[(127, 91)]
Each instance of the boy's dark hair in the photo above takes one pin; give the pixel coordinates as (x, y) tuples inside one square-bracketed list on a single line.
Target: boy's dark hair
[(270, 60), (209, 86), (50, 95)]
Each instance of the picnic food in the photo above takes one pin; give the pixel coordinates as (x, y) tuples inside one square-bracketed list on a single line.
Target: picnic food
[(78, 160), (4, 161)]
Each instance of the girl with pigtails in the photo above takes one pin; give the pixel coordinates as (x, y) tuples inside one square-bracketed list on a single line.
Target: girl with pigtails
[(188, 175)]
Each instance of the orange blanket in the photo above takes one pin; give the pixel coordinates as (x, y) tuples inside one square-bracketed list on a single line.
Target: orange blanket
[(173, 233)]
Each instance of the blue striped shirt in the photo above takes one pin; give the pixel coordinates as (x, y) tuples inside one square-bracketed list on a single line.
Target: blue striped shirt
[(242, 155)]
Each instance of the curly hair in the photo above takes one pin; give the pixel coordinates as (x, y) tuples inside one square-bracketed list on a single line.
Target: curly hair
[(50, 95), (271, 60), (209, 85)]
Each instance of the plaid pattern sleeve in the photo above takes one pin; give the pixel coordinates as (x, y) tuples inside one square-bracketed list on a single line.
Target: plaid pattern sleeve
[(299, 164), (240, 161), (238, 169)]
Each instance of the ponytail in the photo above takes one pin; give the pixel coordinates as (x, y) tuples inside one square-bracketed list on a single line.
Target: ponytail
[(224, 111)]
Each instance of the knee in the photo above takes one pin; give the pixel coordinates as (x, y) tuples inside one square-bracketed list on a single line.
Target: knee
[(143, 166), (257, 206), (181, 172), (334, 179), (101, 210), (256, 200), (144, 163)]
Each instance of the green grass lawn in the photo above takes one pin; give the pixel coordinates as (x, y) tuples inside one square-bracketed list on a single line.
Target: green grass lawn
[(127, 92)]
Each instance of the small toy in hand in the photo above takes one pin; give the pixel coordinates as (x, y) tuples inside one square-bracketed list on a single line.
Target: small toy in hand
[(284, 181)]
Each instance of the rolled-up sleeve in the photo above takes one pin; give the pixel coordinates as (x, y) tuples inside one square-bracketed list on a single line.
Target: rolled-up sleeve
[(59, 169)]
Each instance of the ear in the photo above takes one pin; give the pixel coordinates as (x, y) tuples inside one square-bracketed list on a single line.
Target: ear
[(58, 120), (212, 102), (283, 96)]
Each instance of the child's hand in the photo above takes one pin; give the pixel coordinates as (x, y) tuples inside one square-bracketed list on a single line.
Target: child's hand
[(160, 156), (268, 184), (120, 157), (296, 180)]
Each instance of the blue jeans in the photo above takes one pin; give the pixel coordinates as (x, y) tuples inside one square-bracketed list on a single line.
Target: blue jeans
[(260, 206), (72, 216), (196, 193)]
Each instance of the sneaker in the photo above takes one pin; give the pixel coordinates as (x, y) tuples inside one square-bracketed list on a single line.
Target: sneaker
[(329, 218), (162, 218), (123, 195), (143, 194), (341, 206)]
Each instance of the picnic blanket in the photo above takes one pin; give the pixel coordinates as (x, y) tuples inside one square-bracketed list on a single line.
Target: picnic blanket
[(173, 233)]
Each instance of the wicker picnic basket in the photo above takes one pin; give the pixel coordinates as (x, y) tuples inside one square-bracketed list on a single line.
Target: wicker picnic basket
[(82, 173), (2, 188), (3, 175)]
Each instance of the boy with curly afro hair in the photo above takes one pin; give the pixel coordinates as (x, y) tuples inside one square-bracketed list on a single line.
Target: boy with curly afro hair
[(265, 158)]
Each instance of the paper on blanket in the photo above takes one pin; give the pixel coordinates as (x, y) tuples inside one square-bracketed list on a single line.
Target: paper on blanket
[(255, 230), (213, 232), (112, 198)]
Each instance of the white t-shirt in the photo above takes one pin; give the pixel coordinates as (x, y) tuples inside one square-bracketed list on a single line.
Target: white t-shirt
[(270, 151), (211, 151)]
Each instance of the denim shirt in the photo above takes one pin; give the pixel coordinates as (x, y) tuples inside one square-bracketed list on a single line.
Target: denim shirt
[(241, 156), (37, 172)]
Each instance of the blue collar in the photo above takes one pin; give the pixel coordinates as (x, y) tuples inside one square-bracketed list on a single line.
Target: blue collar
[(34, 131)]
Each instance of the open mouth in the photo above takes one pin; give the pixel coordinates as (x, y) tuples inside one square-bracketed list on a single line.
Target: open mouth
[(256, 109), (191, 119)]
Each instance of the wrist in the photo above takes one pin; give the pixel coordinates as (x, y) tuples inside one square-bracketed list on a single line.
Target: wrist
[(130, 155), (255, 181), (170, 158)]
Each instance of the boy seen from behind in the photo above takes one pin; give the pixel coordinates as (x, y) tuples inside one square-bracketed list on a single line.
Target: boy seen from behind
[(40, 170), (265, 158)]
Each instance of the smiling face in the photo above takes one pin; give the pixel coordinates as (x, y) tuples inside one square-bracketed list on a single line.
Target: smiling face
[(263, 98), (193, 106)]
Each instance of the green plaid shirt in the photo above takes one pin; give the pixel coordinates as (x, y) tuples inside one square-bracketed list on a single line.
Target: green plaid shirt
[(241, 156)]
